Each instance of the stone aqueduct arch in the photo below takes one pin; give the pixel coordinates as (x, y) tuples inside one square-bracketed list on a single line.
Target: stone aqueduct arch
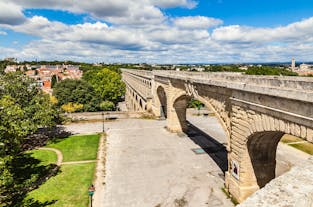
[(254, 111)]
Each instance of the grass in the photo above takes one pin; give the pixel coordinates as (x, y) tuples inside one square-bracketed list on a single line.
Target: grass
[(305, 147), (46, 157), (289, 138), (78, 147), (147, 116), (233, 200), (180, 202), (69, 188)]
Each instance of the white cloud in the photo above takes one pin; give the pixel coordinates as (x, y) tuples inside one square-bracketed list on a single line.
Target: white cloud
[(40, 26), (170, 36), (11, 13), (3, 33), (174, 3), (138, 31), (235, 33), (115, 11), (196, 22)]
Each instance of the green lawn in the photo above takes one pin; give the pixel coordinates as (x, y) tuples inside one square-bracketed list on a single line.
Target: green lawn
[(46, 157), (69, 188), (289, 138), (305, 147), (78, 147)]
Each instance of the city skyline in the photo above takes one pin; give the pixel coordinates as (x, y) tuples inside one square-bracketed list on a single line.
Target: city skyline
[(176, 31)]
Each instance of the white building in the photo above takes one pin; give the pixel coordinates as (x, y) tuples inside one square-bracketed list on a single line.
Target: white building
[(305, 67)]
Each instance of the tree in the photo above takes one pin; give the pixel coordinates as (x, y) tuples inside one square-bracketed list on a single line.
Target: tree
[(76, 91), (53, 81), (108, 84), (107, 106), (196, 104), (23, 110), (268, 70), (3, 65), (72, 107)]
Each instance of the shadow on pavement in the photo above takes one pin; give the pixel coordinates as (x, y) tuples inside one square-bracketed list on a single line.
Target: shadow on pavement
[(209, 145)]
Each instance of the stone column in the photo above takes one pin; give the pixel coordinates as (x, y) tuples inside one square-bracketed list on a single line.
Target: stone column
[(241, 182), (176, 110)]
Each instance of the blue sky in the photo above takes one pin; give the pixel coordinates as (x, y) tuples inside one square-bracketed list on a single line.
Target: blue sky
[(265, 13), (157, 31)]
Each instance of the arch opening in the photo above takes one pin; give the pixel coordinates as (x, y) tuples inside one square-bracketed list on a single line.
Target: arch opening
[(140, 103), (180, 106), (262, 147), (195, 122), (163, 101)]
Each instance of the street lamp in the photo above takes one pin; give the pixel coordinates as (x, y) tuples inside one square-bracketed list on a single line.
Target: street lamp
[(91, 191), (102, 121)]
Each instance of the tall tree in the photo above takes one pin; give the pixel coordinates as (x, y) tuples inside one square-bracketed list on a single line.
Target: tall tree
[(107, 83), (76, 91), (53, 81), (23, 110)]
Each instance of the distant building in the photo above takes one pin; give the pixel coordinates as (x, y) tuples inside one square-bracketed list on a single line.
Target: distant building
[(305, 67), (11, 68), (243, 67), (293, 64), (10, 59)]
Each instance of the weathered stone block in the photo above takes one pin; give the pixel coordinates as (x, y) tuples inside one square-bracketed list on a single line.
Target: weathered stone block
[(303, 132), (309, 135), (297, 130)]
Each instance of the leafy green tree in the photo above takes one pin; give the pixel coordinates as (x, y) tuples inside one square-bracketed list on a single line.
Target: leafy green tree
[(108, 84), (76, 91), (223, 68), (196, 104), (72, 107), (107, 106), (23, 110), (53, 81), (268, 70), (3, 65)]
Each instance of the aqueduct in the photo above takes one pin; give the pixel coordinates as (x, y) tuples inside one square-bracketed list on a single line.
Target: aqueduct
[(255, 111)]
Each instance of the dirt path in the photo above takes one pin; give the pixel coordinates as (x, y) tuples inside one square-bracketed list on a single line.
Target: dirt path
[(58, 152), (99, 182), (60, 157), (78, 162)]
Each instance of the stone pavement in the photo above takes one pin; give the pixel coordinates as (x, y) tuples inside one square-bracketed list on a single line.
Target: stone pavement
[(148, 166)]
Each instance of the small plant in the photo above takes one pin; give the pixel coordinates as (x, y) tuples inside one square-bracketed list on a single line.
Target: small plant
[(147, 116), (181, 202), (233, 200)]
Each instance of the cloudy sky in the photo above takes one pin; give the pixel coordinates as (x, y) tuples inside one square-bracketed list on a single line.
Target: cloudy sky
[(157, 31)]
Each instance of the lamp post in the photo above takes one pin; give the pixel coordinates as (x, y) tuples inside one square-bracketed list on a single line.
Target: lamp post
[(102, 121), (91, 191)]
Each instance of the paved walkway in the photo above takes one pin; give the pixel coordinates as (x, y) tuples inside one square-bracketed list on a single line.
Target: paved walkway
[(148, 166)]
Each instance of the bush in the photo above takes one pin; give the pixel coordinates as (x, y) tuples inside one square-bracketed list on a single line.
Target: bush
[(107, 106)]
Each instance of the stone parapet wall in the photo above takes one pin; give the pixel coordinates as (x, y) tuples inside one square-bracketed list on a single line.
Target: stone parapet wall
[(294, 189)]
